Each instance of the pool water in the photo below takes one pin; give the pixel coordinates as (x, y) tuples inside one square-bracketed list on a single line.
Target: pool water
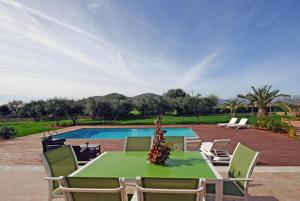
[(121, 133)]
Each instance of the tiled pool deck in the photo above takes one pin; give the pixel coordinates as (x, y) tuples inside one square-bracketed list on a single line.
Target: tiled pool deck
[(21, 173), (276, 149)]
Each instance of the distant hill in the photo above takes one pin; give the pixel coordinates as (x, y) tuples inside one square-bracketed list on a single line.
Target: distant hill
[(109, 97), (121, 96), (222, 100), (152, 95)]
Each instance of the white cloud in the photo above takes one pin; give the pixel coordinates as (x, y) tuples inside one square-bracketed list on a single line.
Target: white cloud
[(195, 71), (91, 48), (37, 48)]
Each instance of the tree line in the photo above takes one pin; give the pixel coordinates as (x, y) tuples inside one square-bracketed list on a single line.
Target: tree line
[(174, 102), (112, 106)]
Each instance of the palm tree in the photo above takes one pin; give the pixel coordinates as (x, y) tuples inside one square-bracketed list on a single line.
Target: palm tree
[(262, 98), (292, 109), (252, 106), (233, 105)]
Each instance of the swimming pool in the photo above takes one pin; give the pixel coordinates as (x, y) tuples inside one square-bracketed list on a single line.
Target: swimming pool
[(121, 133)]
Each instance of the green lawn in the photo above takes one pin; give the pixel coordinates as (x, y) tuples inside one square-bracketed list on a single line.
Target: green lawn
[(208, 119), (30, 127)]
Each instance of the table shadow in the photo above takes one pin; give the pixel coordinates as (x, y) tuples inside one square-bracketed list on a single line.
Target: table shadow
[(171, 162)]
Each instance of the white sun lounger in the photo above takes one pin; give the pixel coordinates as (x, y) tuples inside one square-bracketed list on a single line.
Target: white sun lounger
[(217, 151), (241, 124), (232, 121)]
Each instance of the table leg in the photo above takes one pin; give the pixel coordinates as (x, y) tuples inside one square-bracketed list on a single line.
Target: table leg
[(219, 190)]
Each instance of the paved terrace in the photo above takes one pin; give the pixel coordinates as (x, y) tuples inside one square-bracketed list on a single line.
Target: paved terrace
[(21, 173), (25, 183)]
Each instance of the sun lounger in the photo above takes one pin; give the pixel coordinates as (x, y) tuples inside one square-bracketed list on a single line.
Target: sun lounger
[(232, 121), (217, 151), (241, 124)]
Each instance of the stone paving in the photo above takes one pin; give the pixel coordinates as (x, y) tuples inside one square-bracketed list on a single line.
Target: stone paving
[(26, 183)]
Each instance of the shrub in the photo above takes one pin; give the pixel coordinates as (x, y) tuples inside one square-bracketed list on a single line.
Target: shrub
[(7, 132), (292, 132), (270, 123), (274, 125), (261, 122)]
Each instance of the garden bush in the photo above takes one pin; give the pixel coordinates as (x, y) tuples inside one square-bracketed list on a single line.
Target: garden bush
[(7, 132), (271, 123), (292, 132)]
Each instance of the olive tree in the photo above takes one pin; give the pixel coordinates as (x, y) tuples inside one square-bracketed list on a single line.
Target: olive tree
[(4, 110), (15, 106), (73, 110), (56, 109), (34, 109)]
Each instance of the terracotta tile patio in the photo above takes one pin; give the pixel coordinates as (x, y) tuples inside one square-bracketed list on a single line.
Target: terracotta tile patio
[(276, 149), (21, 173)]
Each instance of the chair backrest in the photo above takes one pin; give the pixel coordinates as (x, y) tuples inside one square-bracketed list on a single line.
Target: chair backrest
[(46, 141), (81, 155), (243, 121), (220, 145), (59, 162), (242, 164), (93, 188), (232, 120), (166, 189), (138, 144), (176, 143)]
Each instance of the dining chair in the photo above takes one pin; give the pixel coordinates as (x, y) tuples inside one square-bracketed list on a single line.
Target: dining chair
[(169, 189), (138, 144), (176, 143), (58, 162), (241, 167), (93, 188)]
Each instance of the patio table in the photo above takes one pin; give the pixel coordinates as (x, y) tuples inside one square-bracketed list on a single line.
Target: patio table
[(133, 164)]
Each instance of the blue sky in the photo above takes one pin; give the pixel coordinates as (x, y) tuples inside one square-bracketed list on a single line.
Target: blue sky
[(80, 48)]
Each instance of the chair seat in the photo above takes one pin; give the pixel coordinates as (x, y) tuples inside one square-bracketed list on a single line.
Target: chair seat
[(229, 188)]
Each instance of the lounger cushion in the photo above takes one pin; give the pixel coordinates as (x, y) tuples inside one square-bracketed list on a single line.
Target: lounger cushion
[(229, 188), (221, 158)]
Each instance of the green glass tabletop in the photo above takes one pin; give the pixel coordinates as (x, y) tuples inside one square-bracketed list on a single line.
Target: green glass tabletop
[(133, 164)]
